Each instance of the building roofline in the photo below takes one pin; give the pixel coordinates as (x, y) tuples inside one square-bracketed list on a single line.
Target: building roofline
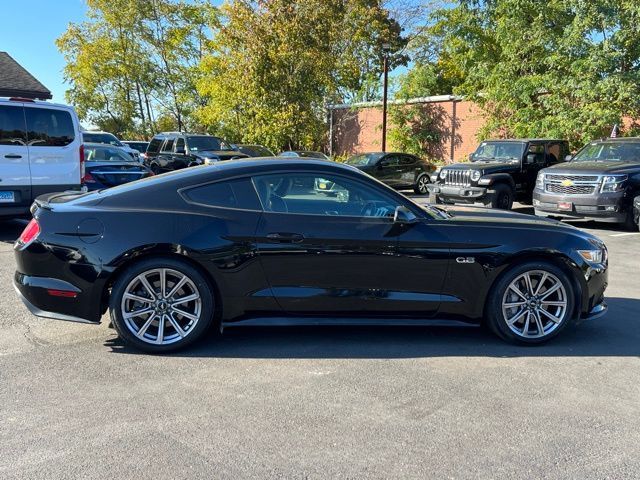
[(408, 101)]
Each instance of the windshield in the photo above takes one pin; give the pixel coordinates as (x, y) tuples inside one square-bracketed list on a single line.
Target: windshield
[(313, 155), (204, 143), (140, 146), (106, 138), (106, 154), (498, 150), (609, 152), (256, 150), (363, 159)]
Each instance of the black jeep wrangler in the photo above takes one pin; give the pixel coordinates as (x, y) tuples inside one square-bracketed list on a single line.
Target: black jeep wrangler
[(500, 171), (599, 183)]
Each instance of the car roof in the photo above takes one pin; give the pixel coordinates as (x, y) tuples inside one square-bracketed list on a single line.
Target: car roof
[(524, 140), (617, 139), (39, 103)]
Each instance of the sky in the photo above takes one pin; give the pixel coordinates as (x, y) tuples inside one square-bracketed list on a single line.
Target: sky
[(29, 36)]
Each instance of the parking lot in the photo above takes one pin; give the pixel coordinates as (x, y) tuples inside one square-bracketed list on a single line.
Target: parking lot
[(324, 402)]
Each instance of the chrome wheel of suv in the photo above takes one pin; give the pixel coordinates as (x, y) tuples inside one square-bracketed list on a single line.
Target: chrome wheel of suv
[(534, 304), (161, 306)]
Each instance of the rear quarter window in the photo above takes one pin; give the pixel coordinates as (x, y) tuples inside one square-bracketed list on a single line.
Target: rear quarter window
[(49, 128), (154, 145), (238, 194)]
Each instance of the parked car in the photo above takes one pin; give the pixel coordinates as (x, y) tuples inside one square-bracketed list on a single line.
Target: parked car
[(303, 154), (40, 152), (173, 255), (107, 166), (499, 172), (110, 139), (139, 145), (175, 150), (599, 183), (254, 150), (398, 170)]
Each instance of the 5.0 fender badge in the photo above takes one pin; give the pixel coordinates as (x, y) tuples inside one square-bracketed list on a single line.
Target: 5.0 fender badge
[(465, 260)]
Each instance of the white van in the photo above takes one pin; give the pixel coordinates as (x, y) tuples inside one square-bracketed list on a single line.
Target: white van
[(40, 152)]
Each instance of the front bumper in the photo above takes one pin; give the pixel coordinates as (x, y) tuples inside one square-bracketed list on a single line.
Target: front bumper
[(458, 194), (605, 207)]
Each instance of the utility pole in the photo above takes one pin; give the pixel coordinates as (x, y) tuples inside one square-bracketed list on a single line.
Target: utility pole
[(385, 69)]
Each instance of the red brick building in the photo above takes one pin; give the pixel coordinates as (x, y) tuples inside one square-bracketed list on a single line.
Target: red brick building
[(358, 127)]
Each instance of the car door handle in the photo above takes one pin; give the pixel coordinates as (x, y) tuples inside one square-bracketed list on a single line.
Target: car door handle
[(285, 237), (12, 155)]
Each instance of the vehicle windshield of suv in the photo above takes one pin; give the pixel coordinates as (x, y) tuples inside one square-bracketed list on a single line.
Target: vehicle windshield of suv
[(105, 154), (363, 159), (609, 152), (499, 151), (106, 138), (256, 150), (205, 143)]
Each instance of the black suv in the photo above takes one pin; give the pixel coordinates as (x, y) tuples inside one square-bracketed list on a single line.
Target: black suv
[(175, 150), (499, 172), (599, 183)]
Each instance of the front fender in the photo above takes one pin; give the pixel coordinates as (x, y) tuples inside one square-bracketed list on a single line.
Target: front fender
[(493, 178)]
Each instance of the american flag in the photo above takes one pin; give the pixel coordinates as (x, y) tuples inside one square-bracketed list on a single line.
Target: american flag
[(615, 131)]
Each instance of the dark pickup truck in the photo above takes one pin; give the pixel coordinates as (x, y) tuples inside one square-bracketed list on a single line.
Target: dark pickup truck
[(500, 171), (599, 183)]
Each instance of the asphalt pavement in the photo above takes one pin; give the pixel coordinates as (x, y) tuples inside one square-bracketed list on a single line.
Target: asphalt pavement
[(324, 402)]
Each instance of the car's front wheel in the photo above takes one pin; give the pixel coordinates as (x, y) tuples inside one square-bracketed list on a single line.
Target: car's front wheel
[(161, 305), (420, 186), (531, 303)]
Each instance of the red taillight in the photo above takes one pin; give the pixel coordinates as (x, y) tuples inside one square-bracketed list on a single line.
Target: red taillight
[(62, 293), (88, 178), (30, 232), (81, 152)]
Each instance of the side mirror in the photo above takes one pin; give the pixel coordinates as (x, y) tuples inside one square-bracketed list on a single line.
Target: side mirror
[(180, 151), (403, 215), (531, 158), (472, 157), (568, 158)]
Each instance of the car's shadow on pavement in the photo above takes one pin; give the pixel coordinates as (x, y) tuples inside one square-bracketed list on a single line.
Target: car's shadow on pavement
[(10, 230), (617, 335)]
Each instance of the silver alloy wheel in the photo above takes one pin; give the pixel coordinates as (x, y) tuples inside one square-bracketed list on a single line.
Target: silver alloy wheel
[(422, 184), (161, 306), (534, 304)]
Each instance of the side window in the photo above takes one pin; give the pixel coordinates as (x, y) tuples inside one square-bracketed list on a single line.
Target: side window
[(391, 160), (49, 128), (154, 145), (226, 194), (554, 153), (322, 194), (168, 145), (180, 145), (407, 160), (12, 127), (538, 153)]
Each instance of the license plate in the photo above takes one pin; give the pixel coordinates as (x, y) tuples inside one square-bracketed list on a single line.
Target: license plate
[(7, 197), (565, 206)]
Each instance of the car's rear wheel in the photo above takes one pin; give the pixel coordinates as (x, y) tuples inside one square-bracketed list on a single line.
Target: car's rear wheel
[(531, 303), (421, 184), (161, 305), (502, 197)]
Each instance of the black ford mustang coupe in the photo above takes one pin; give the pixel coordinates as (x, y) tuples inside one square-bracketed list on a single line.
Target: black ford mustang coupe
[(250, 242)]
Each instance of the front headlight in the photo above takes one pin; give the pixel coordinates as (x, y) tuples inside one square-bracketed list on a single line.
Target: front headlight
[(443, 174), (475, 175), (592, 256), (540, 181), (613, 183)]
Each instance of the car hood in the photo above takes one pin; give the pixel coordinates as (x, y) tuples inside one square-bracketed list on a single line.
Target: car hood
[(221, 154), (485, 167), (595, 168)]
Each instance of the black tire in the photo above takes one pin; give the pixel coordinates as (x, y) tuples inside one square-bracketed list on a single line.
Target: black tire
[(502, 197), (206, 306), (495, 317), (420, 187)]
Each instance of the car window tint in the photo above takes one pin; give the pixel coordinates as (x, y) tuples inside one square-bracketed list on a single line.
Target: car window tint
[(179, 144), (99, 154), (322, 194), (227, 194), (49, 128), (392, 160), (407, 160), (154, 145), (168, 145), (12, 126)]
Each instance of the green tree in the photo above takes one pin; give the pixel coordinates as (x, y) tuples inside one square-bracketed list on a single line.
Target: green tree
[(272, 67), (555, 68)]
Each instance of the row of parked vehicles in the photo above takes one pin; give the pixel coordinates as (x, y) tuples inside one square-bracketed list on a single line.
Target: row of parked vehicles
[(43, 149)]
